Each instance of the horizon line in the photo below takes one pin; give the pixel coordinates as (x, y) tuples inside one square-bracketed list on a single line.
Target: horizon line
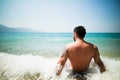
[(40, 31)]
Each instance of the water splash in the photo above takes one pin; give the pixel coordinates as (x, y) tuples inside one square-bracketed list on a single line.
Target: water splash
[(30, 67)]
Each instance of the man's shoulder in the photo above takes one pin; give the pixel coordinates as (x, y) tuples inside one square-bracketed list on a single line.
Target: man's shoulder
[(92, 45), (70, 45)]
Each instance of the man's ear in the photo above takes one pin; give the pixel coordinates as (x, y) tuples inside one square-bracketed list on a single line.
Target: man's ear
[(75, 34)]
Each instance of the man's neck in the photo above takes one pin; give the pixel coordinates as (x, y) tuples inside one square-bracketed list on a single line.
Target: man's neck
[(79, 39)]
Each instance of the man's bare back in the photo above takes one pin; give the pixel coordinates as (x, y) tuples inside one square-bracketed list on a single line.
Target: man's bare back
[(80, 54)]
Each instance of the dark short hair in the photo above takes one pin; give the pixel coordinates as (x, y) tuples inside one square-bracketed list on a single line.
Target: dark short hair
[(81, 31)]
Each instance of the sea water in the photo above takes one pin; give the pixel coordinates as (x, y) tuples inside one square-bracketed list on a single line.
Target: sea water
[(33, 56)]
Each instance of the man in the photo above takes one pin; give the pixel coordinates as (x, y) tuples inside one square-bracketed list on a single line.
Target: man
[(80, 54)]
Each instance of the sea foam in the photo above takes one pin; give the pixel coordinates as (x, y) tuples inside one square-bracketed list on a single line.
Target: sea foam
[(34, 67)]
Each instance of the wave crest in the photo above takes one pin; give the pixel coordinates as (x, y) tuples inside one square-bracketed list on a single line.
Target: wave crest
[(31, 67)]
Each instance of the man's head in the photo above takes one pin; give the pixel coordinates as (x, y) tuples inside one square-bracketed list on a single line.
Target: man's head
[(80, 31)]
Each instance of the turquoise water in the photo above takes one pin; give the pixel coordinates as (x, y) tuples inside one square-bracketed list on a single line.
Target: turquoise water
[(51, 44), (33, 56)]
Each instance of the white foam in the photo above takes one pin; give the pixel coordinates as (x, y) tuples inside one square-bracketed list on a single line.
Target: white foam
[(17, 67)]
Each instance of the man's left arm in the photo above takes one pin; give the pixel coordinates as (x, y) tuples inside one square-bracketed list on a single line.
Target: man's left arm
[(99, 61), (61, 62)]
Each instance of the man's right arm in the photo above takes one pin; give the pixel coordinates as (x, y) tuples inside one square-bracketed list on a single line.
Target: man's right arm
[(61, 62), (98, 60)]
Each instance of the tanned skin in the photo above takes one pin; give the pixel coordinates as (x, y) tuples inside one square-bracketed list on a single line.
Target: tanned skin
[(80, 54)]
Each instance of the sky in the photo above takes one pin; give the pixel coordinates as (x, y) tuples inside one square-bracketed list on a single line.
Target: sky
[(61, 15)]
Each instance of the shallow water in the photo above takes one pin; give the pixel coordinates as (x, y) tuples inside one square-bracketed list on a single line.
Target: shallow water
[(52, 44)]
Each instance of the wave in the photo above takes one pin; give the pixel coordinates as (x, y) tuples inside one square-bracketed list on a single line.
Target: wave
[(34, 67)]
